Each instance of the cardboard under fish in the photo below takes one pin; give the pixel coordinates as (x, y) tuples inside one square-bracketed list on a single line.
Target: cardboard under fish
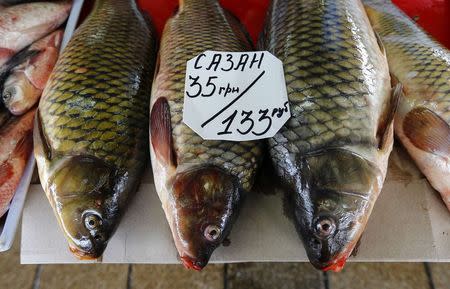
[(409, 223)]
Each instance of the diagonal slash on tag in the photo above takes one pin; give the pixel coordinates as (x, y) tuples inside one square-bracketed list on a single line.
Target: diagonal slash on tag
[(234, 100)]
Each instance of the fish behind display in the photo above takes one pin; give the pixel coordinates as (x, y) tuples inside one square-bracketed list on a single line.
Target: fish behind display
[(23, 24), (423, 67), (201, 183), (24, 85), (91, 132), (332, 154), (16, 144)]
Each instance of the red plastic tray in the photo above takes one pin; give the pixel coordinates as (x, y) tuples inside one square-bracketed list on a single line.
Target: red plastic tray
[(432, 15)]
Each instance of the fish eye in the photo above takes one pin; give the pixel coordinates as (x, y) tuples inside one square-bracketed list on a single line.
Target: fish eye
[(325, 227), (212, 233), (8, 94), (92, 221)]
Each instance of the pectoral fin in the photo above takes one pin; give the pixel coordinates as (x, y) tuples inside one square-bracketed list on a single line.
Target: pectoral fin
[(427, 131), (387, 119), (41, 146), (380, 42), (6, 171), (161, 131)]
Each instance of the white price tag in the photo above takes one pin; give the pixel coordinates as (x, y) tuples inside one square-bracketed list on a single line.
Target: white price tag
[(235, 95)]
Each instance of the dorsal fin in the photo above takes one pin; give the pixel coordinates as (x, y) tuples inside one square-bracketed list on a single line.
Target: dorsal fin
[(24, 146), (427, 131), (386, 121), (380, 42), (161, 131)]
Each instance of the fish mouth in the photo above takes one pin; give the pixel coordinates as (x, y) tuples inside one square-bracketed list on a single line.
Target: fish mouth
[(192, 263), (335, 266), (85, 255)]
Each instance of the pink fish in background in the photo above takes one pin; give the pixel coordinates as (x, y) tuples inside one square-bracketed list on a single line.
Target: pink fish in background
[(23, 24), (16, 144), (25, 84)]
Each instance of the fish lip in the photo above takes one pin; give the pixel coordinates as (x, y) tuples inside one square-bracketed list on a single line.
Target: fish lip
[(192, 263), (85, 255), (335, 266)]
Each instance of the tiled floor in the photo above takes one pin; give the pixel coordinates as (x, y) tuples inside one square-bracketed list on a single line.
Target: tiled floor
[(231, 276)]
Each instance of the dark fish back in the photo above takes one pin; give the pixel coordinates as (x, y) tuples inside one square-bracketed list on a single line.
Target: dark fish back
[(97, 97), (331, 73)]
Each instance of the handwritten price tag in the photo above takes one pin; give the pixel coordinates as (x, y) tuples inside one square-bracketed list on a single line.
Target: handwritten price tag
[(235, 95)]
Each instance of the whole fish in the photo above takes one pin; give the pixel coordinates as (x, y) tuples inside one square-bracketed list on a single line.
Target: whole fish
[(332, 154), (24, 85), (422, 65), (23, 24), (16, 144), (91, 136), (201, 183)]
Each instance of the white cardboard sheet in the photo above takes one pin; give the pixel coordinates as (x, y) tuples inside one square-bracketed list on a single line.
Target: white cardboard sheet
[(409, 223)]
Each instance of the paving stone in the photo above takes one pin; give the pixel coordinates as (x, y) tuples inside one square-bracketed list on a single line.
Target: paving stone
[(86, 276), (380, 276), (440, 273), (274, 275), (12, 274), (176, 277)]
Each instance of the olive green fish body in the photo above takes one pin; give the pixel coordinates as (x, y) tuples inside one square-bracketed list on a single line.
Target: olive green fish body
[(332, 153), (92, 123), (189, 171), (422, 65)]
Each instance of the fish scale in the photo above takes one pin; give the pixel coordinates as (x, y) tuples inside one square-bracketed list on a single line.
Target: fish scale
[(325, 85), (92, 133), (332, 153), (216, 35), (422, 65), (92, 100), (418, 61)]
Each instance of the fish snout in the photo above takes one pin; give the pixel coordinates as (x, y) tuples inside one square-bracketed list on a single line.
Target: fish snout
[(206, 203), (196, 264), (90, 239)]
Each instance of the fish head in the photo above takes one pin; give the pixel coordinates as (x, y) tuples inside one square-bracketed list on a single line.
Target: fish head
[(19, 94), (81, 190), (205, 207), (331, 211)]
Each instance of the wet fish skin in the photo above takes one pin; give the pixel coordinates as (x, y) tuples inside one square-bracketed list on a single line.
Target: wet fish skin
[(16, 145), (332, 154), (25, 84), (15, 2), (201, 183), (422, 65), (23, 24), (91, 136)]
